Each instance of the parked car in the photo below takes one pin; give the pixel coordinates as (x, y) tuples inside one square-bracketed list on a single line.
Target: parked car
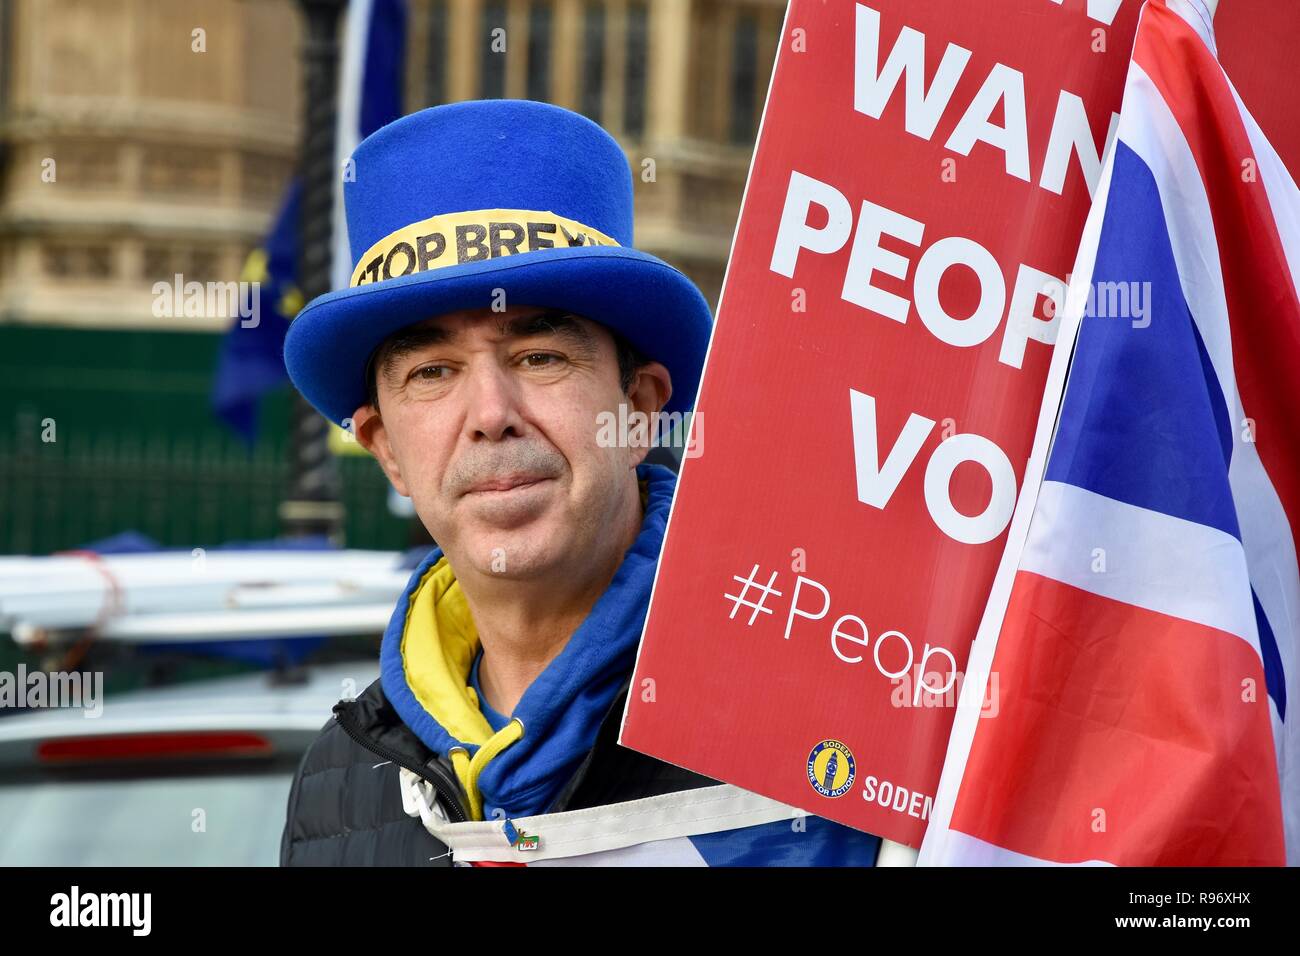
[(190, 774)]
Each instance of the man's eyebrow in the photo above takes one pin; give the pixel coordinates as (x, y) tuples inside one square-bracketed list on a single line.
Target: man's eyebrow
[(408, 341), (403, 343), (555, 321)]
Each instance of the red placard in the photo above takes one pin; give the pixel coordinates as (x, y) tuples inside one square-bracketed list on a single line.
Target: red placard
[(921, 179)]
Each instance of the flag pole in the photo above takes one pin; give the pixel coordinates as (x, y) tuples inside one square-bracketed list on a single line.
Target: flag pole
[(895, 854), (313, 506)]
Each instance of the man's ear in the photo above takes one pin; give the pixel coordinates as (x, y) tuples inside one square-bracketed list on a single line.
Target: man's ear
[(368, 426), (651, 387)]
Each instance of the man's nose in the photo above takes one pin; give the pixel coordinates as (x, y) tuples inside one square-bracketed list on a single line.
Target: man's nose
[(494, 409)]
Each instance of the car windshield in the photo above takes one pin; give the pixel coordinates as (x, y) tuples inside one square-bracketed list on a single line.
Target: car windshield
[(209, 818)]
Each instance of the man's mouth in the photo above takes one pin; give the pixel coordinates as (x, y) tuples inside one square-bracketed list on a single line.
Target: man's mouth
[(505, 483)]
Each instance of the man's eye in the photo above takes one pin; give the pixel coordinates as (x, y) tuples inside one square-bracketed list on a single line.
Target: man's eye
[(428, 373), (540, 359)]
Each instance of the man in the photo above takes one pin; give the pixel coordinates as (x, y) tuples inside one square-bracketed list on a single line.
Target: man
[(496, 321)]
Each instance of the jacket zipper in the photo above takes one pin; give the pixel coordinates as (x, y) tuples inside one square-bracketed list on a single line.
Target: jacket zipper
[(441, 782)]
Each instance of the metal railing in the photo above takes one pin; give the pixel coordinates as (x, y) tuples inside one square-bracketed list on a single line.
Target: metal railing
[(179, 490)]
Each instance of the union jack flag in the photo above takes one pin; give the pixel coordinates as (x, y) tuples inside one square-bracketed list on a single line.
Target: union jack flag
[(1144, 625)]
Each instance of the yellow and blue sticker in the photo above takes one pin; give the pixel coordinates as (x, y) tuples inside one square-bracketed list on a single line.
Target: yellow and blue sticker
[(831, 768)]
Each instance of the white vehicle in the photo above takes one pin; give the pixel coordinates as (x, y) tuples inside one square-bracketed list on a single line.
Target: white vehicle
[(193, 774)]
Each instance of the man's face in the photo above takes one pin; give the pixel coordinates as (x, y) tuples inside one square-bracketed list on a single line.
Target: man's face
[(489, 422)]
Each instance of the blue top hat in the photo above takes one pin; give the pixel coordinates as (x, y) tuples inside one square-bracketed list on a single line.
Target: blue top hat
[(453, 203)]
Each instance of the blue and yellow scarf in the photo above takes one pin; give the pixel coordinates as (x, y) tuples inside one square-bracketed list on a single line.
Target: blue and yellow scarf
[(430, 645)]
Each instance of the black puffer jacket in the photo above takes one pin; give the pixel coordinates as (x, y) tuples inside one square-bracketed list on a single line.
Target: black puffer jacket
[(345, 806)]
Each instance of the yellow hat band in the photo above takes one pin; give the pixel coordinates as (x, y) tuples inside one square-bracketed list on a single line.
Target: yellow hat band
[(459, 237)]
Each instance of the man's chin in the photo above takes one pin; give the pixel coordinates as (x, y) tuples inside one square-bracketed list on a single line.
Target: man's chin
[(514, 544), (516, 556)]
